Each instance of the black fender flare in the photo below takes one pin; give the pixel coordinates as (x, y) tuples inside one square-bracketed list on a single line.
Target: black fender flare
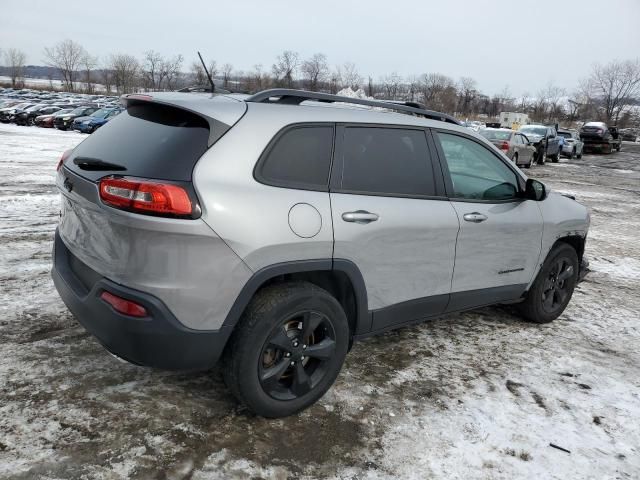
[(259, 278)]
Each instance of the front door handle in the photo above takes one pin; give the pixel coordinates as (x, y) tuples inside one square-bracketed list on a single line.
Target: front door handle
[(474, 217), (360, 216)]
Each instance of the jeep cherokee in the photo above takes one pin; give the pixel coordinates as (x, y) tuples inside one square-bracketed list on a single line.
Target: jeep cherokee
[(270, 232)]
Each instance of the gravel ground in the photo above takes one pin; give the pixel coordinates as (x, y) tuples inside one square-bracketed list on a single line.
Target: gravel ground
[(476, 395)]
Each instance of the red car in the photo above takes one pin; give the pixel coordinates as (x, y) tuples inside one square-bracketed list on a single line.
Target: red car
[(46, 121)]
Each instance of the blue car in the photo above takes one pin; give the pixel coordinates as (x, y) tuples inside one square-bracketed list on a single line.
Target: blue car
[(91, 123)]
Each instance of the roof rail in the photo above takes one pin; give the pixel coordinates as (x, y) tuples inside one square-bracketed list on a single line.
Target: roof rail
[(287, 96)]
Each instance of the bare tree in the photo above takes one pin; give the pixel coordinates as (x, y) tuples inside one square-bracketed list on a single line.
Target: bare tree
[(170, 71), (125, 71), (227, 70), (66, 56), (370, 87), (153, 62), (89, 62), (467, 90), (350, 76), (285, 68), (335, 80), (556, 97), (616, 85), (437, 92), (199, 76), (258, 80), (15, 60), (315, 70), (391, 86), (107, 78)]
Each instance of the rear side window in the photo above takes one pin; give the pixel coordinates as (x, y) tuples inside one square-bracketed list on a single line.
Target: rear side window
[(146, 140), (299, 158), (387, 161)]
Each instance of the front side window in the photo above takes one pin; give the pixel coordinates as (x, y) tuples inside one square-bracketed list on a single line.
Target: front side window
[(476, 173), (301, 157), (387, 161)]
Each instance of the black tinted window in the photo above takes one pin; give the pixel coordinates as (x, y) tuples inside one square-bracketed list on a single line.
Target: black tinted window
[(388, 161), (300, 157), (152, 141)]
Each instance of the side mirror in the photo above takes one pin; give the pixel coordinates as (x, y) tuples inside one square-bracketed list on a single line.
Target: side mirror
[(535, 190)]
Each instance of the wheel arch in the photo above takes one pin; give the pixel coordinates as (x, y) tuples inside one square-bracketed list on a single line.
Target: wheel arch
[(341, 278), (576, 241)]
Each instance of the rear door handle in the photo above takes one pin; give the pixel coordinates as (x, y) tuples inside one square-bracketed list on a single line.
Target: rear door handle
[(474, 217), (360, 216)]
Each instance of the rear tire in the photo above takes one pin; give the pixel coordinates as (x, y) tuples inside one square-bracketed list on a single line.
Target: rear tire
[(287, 349), (552, 290)]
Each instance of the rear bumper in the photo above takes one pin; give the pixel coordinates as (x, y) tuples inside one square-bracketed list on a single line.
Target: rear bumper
[(158, 340)]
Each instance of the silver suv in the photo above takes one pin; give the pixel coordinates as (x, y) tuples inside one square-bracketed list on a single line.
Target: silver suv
[(271, 232)]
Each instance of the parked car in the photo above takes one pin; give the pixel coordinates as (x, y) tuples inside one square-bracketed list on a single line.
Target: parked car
[(47, 120), (545, 139), (28, 117), (600, 137), (629, 134), (515, 145), (573, 145), (194, 229), (8, 115), (64, 122), (94, 121)]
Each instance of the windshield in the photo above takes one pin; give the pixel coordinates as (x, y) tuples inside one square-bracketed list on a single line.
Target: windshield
[(495, 134), (103, 112), (534, 130), (78, 111), (564, 134)]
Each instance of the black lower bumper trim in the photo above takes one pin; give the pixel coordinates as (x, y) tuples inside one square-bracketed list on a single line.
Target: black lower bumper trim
[(158, 340)]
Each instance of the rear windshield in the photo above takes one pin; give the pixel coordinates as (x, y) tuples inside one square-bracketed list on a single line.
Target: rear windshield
[(564, 134), (495, 134), (146, 140)]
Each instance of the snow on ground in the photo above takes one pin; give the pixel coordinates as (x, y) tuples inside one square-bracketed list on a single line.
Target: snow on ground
[(476, 395), (54, 84)]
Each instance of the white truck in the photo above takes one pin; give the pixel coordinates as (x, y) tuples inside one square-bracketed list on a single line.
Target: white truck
[(513, 120)]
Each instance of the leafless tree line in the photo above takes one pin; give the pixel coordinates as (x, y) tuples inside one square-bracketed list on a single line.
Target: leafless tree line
[(606, 94)]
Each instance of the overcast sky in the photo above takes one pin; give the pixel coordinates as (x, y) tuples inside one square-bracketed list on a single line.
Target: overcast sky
[(519, 44)]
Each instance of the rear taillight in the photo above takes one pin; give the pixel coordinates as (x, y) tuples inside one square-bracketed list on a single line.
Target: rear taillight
[(146, 196), (64, 156), (503, 146), (124, 306)]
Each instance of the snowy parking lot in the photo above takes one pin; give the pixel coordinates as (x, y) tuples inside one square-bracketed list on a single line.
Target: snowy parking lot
[(476, 395)]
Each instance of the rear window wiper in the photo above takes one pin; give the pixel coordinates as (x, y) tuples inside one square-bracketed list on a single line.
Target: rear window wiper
[(87, 163)]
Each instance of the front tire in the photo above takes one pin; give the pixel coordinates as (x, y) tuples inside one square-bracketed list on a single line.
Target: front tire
[(287, 349), (540, 156), (552, 290)]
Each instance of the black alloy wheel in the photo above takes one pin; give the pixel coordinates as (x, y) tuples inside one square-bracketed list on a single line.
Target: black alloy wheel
[(294, 358), (287, 349), (556, 287), (553, 287)]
